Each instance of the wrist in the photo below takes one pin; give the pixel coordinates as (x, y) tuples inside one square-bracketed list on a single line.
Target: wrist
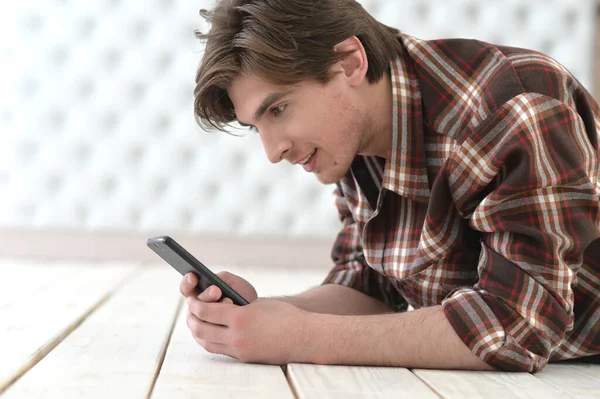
[(303, 336), (316, 338)]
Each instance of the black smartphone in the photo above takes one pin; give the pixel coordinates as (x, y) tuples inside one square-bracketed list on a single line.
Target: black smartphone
[(182, 261)]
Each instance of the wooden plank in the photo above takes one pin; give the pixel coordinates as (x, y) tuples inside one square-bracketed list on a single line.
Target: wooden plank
[(188, 371), (43, 305), (273, 282), (487, 384), (341, 382), (578, 379), (116, 351), (19, 280)]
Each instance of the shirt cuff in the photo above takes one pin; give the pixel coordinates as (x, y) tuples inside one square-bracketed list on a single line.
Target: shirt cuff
[(470, 314)]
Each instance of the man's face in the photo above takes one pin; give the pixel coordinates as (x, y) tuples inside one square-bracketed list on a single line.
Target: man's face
[(318, 127)]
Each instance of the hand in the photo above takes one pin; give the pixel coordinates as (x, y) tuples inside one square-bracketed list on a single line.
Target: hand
[(187, 287), (266, 331)]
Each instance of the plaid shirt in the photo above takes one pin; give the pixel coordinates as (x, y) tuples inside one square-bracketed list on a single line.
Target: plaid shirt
[(488, 205)]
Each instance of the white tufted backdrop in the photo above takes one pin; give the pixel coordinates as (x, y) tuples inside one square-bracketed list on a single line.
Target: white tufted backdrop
[(97, 127)]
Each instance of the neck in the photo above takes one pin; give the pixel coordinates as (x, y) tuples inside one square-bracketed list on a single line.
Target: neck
[(377, 139)]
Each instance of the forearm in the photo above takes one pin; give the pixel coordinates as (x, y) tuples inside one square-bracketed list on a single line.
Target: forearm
[(417, 339), (337, 299)]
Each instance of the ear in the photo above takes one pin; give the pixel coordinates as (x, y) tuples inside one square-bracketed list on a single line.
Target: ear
[(354, 65)]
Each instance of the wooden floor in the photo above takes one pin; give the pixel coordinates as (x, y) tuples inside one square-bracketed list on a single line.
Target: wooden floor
[(73, 330)]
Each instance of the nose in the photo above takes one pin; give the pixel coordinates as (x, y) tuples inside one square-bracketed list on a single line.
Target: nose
[(276, 146)]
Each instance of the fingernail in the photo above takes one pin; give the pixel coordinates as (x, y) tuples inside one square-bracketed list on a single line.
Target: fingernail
[(189, 279)]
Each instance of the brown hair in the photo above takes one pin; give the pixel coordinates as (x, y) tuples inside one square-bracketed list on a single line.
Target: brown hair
[(283, 41)]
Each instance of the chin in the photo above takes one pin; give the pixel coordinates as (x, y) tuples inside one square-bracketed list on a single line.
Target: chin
[(325, 180), (330, 177)]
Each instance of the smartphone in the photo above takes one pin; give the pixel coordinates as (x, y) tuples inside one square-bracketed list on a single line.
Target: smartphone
[(182, 261)]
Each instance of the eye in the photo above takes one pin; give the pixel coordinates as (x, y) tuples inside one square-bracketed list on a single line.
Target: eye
[(276, 111)]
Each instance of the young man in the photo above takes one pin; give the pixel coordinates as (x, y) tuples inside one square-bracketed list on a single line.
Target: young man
[(467, 180)]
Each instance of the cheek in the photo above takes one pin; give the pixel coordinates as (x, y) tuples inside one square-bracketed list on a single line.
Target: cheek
[(305, 128)]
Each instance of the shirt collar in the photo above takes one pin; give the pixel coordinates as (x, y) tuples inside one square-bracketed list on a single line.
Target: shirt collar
[(406, 170)]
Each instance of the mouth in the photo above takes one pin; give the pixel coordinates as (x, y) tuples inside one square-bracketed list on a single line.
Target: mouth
[(308, 158), (310, 162)]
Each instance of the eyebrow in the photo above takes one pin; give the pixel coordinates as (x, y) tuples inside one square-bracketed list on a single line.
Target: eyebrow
[(266, 103)]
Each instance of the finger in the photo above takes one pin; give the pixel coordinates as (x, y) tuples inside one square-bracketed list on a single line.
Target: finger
[(227, 277), (213, 347), (211, 294), (187, 287), (204, 331), (226, 300), (215, 313)]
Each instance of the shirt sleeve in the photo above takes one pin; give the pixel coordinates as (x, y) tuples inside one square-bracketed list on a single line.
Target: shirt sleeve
[(350, 267), (530, 185)]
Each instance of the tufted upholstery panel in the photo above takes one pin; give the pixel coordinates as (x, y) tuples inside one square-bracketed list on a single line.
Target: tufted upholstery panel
[(97, 127)]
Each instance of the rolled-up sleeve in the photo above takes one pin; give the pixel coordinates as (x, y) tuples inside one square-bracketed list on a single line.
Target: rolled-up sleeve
[(528, 181), (350, 267)]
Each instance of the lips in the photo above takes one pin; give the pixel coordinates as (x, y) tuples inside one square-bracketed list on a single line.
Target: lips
[(311, 163), (307, 158)]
